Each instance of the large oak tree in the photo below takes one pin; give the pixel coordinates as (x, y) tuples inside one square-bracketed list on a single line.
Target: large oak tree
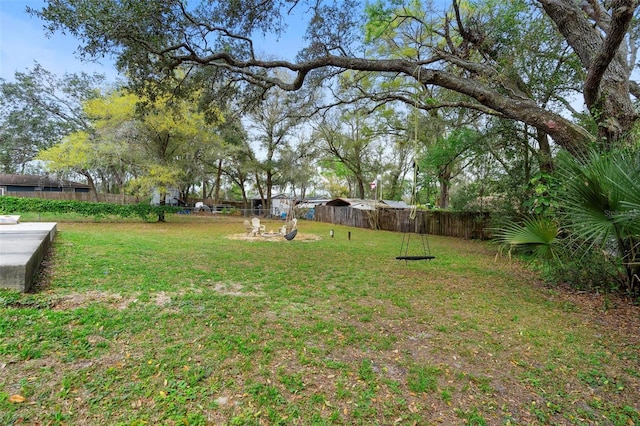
[(459, 50)]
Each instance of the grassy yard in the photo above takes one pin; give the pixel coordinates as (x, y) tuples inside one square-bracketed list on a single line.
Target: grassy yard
[(178, 324)]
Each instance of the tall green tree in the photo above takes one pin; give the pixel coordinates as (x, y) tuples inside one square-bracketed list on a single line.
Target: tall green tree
[(157, 140), (272, 122), (298, 165), (349, 139), (460, 50), (447, 157), (241, 168), (38, 109)]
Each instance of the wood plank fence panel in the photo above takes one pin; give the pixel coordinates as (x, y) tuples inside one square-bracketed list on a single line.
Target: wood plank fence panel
[(468, 225)]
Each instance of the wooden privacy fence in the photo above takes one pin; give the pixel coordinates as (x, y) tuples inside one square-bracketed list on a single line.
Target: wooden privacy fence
[(76, 196), (467, 225)]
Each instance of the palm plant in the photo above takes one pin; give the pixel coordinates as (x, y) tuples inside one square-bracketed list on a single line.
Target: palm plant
[(537, 236), (601, 204)]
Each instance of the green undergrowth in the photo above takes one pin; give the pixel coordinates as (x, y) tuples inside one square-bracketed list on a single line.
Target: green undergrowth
[(72, 209), (177, 323)]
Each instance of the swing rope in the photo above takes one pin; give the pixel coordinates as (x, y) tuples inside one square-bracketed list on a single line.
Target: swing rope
[(406, 236)]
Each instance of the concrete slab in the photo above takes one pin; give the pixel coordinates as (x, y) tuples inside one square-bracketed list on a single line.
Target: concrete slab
[(22, 248)]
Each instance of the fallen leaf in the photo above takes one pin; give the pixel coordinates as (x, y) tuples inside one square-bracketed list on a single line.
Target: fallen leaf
[(17, 399)]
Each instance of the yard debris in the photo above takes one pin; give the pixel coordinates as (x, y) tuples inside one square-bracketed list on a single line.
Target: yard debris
[(16, 399)]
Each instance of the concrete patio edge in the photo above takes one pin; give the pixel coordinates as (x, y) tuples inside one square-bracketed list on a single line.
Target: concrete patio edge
[(22, 249)]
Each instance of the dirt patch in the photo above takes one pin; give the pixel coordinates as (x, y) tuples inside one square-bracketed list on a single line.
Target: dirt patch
[(162, 299), (77, 300), (232, 289), (119, 302), (273, 237)]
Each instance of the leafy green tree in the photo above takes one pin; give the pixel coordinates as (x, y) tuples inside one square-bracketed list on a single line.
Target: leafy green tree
[(38, 109), (240, 165), (75, 154), (213, 158), (273, 121), (397, 149), (297, 164), (351, 140), (336, 176), (447, 157), (157, 139), (467, 49)]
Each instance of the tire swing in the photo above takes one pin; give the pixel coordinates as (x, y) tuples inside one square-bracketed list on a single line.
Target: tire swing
[(406, 236)]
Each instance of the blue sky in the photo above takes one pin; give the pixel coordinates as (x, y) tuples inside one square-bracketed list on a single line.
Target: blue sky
[(23, 41)]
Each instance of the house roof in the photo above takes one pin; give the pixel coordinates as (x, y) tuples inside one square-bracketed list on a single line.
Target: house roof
[(38, 181)]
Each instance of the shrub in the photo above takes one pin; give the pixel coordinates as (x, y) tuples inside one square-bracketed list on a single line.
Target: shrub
[(588, 268), (24, 205)]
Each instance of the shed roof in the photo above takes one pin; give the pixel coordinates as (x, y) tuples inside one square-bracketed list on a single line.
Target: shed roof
[(273, 197), (396, 204), (311, 203), (357, 203)]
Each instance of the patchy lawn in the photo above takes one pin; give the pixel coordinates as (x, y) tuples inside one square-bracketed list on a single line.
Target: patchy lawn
[(187, 323)]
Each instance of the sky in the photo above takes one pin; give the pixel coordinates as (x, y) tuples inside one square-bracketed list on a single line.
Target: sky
[(23, 40)]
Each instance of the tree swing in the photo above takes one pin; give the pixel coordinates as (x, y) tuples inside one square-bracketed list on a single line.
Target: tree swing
[(406, 236), (290, 218)]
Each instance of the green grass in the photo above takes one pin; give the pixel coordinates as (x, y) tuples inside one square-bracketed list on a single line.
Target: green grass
[(174, 323)]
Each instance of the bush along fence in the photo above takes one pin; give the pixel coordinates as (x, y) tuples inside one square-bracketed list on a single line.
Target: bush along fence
[(469, 225), (145, 211), (77, 196)]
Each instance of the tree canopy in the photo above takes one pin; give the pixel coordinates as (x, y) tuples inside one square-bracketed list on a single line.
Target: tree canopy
[(38, 109), (156, 142), (467, 50)]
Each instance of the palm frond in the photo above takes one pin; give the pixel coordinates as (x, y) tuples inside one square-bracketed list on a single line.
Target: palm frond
[(596, 198), (538, 236)]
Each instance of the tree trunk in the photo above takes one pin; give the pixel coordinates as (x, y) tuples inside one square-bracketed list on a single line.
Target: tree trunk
[(216, 194), (260, 190), (163, 196), (91, 183), (606, 89), (269, 185), (443, 201), (544, 152), (204, 190), (444, 177), (361, 189)]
